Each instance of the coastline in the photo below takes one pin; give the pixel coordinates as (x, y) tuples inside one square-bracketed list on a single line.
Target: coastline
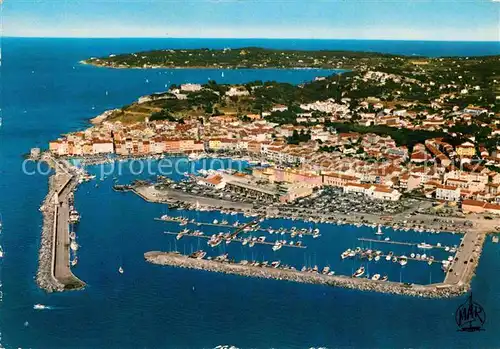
[(84, 62)]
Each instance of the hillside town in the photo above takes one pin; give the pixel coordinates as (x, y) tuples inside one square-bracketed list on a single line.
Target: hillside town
[(391, 127), (367, 163)]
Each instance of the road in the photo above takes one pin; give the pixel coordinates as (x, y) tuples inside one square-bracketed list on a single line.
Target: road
[(466, 259)]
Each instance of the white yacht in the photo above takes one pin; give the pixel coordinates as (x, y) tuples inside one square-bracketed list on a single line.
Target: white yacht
[(359, 272), (74, 246), (424, 246), (277, 246), (376, 277), (120, 270), (403, 260)]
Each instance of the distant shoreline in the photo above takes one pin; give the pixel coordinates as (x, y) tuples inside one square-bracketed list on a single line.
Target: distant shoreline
[(84, 62)]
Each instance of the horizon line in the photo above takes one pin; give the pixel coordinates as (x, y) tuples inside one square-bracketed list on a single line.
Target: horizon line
[(241, 38)]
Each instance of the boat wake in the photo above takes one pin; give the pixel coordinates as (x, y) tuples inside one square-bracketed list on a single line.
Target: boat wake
[(42, 307)]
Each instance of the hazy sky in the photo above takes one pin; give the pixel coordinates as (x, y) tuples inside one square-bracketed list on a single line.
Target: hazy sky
[(476, 20)]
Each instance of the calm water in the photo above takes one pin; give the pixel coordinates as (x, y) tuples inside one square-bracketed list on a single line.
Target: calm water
[(45, 92)]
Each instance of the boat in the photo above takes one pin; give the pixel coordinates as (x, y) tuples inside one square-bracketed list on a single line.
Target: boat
[(72, 235), (198, 254), (277, 246), (120, 270), (275, 264), (215, 221), (379, 231), (74, 217), (326, 270), (359, 272), (316, 233), (214, 241), (384, 278), (424, 246), (345, 254), (403, 260), (376, 277), (245, 241), (40, 307), (74, 261), (74, 246), (194, 156), (377, 258)]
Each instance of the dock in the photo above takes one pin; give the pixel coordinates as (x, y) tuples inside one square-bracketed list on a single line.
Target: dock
[(398, 243), (235, 239), (243, 225)]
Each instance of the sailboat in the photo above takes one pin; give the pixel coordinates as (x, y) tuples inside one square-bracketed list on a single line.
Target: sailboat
[(120, 270), (379, 231)]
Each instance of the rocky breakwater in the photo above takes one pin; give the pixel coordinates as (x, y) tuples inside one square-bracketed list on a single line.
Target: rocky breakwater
[(248, 270), (45, 276)]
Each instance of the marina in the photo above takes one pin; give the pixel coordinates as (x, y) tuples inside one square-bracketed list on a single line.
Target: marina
[(251, 228)]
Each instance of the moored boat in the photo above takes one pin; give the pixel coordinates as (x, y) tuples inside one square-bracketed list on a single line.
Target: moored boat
[(359, 272)]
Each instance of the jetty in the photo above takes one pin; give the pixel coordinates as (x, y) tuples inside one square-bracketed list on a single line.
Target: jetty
[(54, 272), (440, 290), (232, 238), (242, 225), (391, 242)]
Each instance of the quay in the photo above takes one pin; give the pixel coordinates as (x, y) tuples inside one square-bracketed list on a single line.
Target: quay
[(441, 290), (233, 239), (54, 272)]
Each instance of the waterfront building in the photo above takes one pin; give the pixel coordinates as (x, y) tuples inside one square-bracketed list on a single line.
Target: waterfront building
[(447, 193)]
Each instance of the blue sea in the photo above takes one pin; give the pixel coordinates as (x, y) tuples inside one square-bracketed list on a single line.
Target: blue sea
[(46, 92)]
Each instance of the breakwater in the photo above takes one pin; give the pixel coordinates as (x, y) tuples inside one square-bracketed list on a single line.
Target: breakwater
[(441, 290), (45, 276), (54, 273)]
